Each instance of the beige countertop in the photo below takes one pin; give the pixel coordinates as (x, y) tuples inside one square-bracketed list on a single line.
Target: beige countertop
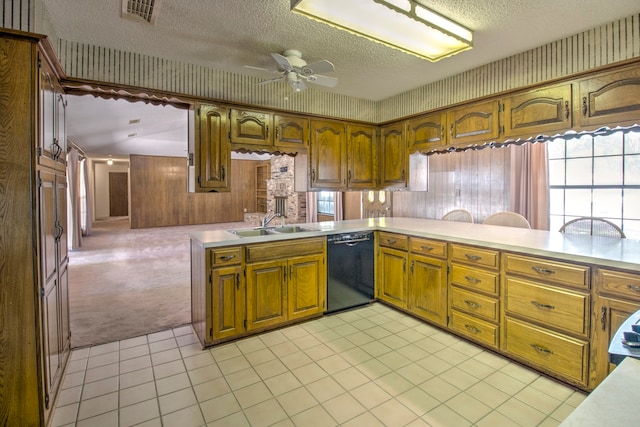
[(603, 251), (613, 403)]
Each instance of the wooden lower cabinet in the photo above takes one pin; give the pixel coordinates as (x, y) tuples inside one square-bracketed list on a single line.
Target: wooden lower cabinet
[(306, 294), (266, 294), (392, 280), (227, 297)]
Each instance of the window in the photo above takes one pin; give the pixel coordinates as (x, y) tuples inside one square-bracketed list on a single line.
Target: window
[(326, 203), (596, 175)]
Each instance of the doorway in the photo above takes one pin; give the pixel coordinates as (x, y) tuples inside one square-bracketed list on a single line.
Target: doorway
[(118, 194)]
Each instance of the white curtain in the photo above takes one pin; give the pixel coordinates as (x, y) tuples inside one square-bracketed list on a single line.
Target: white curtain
[(338, 212), (530, 183), (312, 206), (74, 230)]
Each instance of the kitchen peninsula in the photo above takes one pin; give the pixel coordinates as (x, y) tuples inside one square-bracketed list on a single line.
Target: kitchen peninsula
[(546, 299)]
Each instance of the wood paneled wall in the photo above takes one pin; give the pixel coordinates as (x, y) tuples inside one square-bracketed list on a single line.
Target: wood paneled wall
[(477, 181), (159, 194)]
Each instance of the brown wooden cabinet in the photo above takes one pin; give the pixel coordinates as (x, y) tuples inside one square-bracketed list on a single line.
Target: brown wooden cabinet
[(474, 293), (473, 123), (427, 286), (427, 132), (256, 130), (213, 154), (34, 302), (291, 133), (227, 293), (538, 111), (361, 157), (394, 160), (327, 158), (392, 268), (251, 127), (617, 297), (546, 315), (608, 98)]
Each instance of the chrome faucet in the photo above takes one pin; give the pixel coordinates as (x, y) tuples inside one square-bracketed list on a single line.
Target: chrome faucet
[(268, 218)]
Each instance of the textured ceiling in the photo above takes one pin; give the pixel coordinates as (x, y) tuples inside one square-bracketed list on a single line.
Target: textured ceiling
[(228, 34)]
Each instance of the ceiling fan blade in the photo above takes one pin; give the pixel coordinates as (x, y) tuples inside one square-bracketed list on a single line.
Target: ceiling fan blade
[(323, 66), (263, 69), (264, 82), (322, 80), (283, 62)]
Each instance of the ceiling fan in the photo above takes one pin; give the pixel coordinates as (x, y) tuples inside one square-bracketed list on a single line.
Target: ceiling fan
[(295, 71)]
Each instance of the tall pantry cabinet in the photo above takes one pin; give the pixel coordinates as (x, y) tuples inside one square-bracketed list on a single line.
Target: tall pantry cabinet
[(34, 311)]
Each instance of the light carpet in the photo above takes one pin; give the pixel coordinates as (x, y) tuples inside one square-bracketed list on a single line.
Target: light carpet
[(125, 283)]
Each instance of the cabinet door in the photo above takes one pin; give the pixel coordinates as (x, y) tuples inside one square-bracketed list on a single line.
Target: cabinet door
[(266, 294), (307, 290), (392, 282), (250, 127), (227, 302), (393, 156), (536, 111), (428, 288), (212, 145), (328, 160), (48, 226), (427, 132), (61, 219), (608, 315), (474, 123), (611, 98), (291, 132), (361, 157), (48, 148)]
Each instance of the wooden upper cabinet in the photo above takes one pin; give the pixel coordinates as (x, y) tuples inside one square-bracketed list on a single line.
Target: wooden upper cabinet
[(361, 156), (474, 123), (250, 127), (609, 99), (427, 132), (541, 110), (291, 132), (328, 154), (212, 145), (393, 156)]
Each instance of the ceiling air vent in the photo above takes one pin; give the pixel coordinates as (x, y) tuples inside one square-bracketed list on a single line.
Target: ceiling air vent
[(140, 10)]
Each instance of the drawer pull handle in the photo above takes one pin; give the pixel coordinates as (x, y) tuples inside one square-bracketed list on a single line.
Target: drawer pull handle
[(227, 257), (541, 349), (472, 329), (472, 279), (543, 306), (391, 241), (634, 287), (471, 257), (472, 304), (542, 270), (426, 248)]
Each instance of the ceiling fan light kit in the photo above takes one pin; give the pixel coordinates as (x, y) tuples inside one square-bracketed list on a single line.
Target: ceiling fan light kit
[(401, 24)]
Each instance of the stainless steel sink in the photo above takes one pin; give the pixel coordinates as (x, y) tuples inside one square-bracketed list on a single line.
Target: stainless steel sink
[(291, 229), (253, 232)]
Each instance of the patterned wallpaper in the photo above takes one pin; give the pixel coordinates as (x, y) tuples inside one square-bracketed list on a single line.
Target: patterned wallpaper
[(606, 44)]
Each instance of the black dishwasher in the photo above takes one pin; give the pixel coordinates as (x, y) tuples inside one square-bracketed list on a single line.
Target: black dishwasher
[(350, 271)]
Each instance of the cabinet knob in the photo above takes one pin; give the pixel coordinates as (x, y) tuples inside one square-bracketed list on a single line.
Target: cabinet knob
[(472, 257)]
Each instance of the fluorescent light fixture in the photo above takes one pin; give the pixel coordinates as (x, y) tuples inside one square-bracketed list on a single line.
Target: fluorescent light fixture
[(401, 24)]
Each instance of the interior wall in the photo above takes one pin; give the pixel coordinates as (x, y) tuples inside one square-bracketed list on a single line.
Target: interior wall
[(101, 186), (159, 194), (477, 181)]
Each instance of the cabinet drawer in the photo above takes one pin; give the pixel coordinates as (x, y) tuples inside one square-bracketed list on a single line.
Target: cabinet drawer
[(561, 273), (475, 279), (550, 306), (226, 256), (478, 305), (553, 352), (477, 256), (476, 329), (396, 241), (278, 250), (428, 247), (618, 283)]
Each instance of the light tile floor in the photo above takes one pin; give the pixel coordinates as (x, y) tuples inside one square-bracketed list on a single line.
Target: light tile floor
[(372, 366)]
